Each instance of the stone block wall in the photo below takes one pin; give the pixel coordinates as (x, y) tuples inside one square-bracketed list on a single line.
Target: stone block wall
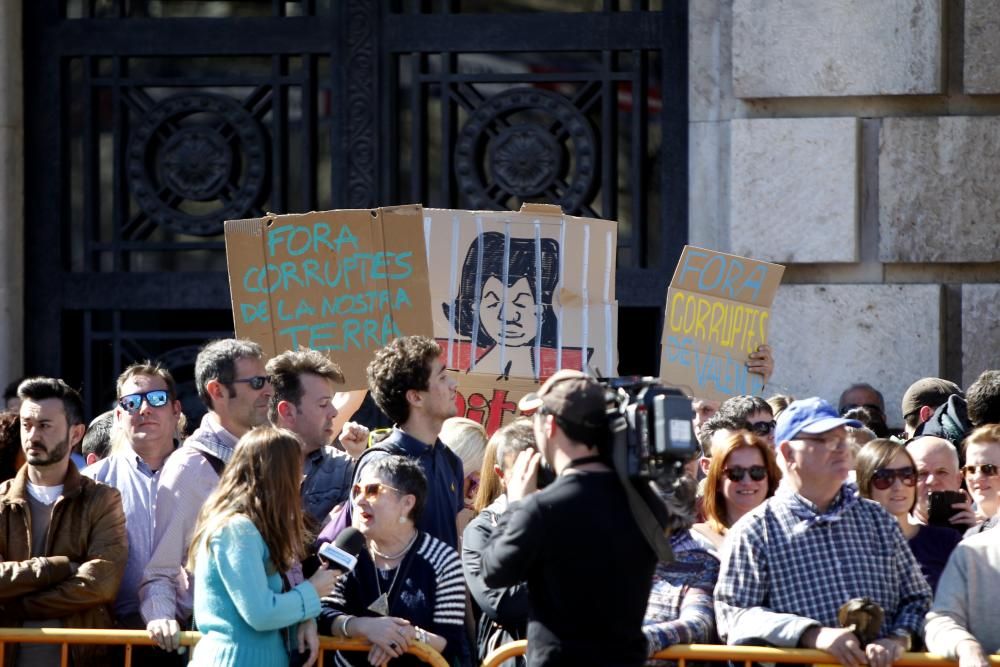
[(857, 142)]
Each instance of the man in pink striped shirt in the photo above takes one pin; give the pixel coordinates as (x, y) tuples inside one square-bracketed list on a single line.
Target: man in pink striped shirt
[(232, 383)]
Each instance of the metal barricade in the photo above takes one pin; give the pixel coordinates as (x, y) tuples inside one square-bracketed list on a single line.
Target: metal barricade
[(130, 638), (745, 654)]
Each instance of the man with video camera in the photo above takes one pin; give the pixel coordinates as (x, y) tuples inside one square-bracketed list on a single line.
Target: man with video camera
[(588, 566)]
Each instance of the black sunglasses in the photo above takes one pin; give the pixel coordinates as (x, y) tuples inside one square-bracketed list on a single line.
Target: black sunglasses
[(156, 398), (989, 469), (884, 478), (762, 429), (738, 473), (256, 382)]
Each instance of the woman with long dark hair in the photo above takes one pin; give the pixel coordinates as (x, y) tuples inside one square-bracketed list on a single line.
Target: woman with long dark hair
[(249, 533)]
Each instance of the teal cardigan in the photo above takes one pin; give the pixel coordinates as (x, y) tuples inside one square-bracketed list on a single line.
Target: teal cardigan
[(238, 607)]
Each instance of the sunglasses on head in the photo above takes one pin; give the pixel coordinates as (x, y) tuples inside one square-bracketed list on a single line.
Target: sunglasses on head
[(256, 382), (370, 491), (988, 469), (132, 402), (884, 478), (763, 429), (739, 473)]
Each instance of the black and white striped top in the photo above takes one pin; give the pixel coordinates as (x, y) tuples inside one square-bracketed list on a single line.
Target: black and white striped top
[(429, 592)]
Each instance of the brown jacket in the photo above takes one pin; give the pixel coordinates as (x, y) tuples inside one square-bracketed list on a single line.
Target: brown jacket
[(87, 528)]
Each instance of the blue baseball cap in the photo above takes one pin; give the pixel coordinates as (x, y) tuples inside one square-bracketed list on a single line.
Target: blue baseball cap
[(810, 415)]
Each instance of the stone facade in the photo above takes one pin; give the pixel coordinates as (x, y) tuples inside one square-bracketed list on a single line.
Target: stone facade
[(814, 48), (936, 188), (828, 337), (793, 188), (867, 130), (981, 55), (980, 330)]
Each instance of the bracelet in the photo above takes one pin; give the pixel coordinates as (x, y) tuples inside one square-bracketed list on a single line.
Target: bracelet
[(421, 635), (343, 628)]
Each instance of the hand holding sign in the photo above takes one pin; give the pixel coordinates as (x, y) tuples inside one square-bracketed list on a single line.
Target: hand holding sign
[(715, 324)]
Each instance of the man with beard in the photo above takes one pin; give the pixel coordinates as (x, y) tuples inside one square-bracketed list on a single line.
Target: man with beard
[(62, 536), (409, 382), (231, 381)]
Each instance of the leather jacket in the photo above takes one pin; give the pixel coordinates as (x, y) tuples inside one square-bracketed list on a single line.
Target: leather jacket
[(87, 528)]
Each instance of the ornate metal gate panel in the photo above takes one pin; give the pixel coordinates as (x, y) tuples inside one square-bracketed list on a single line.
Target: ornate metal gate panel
[(151, 122)]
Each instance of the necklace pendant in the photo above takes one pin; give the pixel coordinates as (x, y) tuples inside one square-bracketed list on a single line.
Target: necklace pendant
[(381, 605)]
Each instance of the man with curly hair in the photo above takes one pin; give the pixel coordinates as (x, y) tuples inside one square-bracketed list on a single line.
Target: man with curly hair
[(410, 384)]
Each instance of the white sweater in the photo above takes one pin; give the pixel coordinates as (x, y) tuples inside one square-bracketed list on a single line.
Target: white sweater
[(965, 606)]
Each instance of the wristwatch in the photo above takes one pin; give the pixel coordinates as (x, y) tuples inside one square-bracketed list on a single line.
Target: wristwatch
[(905, 636)]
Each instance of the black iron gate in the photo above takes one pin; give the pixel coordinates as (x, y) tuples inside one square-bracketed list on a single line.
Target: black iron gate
[(152, 121)]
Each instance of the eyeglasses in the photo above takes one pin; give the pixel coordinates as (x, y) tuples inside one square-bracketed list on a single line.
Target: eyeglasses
[(739, 473), (988, 469), (132, 402), (763, 429), (884, 478), (831, 442), (256, 382), (370, 491)]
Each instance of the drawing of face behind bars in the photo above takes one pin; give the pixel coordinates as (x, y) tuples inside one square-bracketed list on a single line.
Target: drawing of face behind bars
[(506, 308)]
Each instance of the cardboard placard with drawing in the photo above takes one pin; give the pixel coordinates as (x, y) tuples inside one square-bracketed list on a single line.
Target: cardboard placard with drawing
[(518, 296)]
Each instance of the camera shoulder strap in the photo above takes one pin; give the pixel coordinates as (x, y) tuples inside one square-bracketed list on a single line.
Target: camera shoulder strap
[(651, 529)]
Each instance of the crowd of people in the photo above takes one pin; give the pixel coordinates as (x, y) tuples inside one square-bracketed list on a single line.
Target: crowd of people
[(795, 524)]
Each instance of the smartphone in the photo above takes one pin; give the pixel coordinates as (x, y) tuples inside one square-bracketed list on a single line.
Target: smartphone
[(940, 509)]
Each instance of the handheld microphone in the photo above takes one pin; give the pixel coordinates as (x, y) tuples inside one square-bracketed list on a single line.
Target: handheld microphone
[(342, 553)]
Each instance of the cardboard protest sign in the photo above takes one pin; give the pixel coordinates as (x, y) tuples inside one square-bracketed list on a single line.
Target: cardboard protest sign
[(717, 312), (491, 402), (341, 282), (518, 296)]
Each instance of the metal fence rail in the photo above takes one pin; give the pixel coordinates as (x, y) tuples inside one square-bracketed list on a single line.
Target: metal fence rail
[(745, 654), (129, 638)]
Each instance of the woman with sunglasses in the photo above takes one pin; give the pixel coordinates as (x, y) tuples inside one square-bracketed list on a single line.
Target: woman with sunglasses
[(407, 586), (249, 533), (887, 474), (742, 474), (981, 470)]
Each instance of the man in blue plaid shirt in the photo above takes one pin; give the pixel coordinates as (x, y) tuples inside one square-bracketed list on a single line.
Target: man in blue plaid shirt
[(788, 566)]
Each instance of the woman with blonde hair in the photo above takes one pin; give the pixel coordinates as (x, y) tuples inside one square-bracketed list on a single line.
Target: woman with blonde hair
[(467, 439), (742, 475), (249, 533)]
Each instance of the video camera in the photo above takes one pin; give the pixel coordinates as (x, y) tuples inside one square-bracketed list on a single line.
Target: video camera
[(652, 424), (651, 438)]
